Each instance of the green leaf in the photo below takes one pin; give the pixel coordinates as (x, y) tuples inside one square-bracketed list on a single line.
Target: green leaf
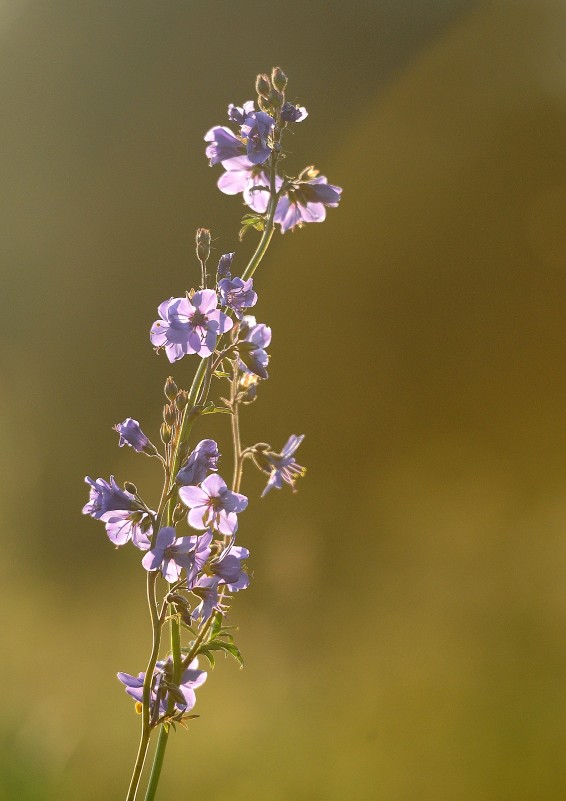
[(209, 656), (220, 645), (216, 626)]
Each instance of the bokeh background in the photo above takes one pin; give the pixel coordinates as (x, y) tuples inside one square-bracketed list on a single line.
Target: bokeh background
[(405, 632)]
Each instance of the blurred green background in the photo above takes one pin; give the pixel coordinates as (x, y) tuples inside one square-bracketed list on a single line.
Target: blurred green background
[(405, 632)]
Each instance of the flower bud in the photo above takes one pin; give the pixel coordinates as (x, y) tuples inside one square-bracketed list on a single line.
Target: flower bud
[(165, 433), (263, 86), (182, 399), (129, 487), (278, 79), (170, 389), (170, 414), (203, 244)]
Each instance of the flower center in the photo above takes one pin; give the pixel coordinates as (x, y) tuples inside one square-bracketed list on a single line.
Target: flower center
[(198, 319)]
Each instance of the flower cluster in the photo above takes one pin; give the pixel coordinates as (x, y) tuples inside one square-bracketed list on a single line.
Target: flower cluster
[(192, 560), (245, 154)]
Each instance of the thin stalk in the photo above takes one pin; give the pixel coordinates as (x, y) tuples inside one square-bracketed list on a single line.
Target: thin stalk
[(156, 624)]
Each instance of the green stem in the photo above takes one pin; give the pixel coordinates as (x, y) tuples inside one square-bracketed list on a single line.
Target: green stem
[(156, 625), (157, 764)]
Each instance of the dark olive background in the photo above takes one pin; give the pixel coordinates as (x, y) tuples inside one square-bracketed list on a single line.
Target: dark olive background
[(405, 630)]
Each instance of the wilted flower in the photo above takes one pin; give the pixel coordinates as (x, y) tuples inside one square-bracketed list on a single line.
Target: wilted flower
[(224, 265), (280, 466), (256, 129)]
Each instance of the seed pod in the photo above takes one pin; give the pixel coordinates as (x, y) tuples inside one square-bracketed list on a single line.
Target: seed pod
[(203, 244), (170, 389), (166, 434), (278, 79), (182, 399), (263, 86), (170, 414)]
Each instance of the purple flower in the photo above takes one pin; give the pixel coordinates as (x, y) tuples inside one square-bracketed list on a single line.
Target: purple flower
[(224, 265), (306, 201), (189, 325), (258, 334), (282, 465), (206, 589), (224, 145), (213, 505), (238, 114), (132, 435), (191, 678), (204, 458), (123, 526), (237, 294), (228, 568), (173, 555), (292, 113), (256, 130), (107, 497), (250, 179)]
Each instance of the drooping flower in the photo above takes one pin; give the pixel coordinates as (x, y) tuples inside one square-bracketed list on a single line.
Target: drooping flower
[(224, 266), (256, 129), (256, 359), (132, 435), (172, 555), (189, 325), (213, 505), (224, 146), (238, 114), (204, 458), (206, 588), (292, 113), (229, 569), (306, 201), (281, 467), (162, 681), (237, 294), (108, 497)]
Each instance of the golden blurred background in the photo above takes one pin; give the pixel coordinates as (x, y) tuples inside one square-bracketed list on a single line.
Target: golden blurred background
[(405, 631)]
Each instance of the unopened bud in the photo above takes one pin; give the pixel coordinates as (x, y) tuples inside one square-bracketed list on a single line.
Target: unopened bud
[(263, 86), (182, 399), (278, 79), (165, 433), (203, 244), (264, 104), (170, 414), (129, 487), (170, 389)]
